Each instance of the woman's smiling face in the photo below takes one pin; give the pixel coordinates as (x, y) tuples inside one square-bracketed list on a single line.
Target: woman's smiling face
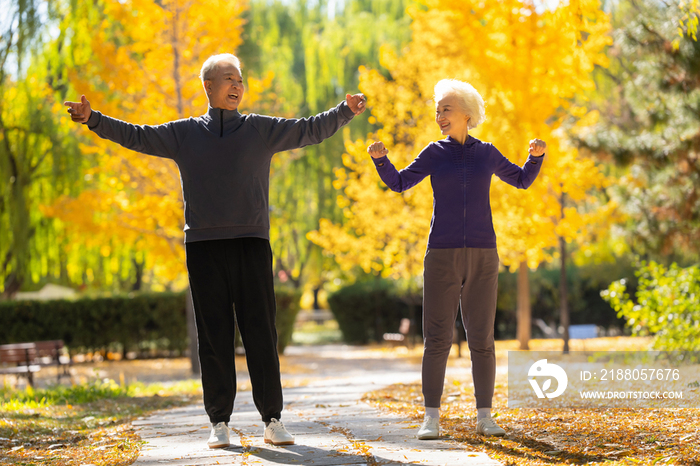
[(451, 118)]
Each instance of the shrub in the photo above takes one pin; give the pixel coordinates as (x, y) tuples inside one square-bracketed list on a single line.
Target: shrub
[(288, 304), (133, 322), (367, 310), (667, 305), (98, 323)]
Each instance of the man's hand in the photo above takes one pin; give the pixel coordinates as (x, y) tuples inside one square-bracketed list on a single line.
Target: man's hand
[(377, 150), (537, 147), (79, 111), (357, 103)]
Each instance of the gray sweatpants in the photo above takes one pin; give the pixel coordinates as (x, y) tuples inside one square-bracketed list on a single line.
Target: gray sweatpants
[(465, 278)]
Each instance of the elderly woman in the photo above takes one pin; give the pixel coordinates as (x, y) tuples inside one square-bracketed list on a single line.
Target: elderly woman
[(461, 262)]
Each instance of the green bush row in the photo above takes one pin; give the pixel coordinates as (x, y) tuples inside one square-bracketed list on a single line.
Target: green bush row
[(98, 323), (132, 322), (288, 305), (367, 310)]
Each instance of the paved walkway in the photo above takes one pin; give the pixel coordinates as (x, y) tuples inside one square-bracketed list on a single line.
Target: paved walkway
[(331, 425)]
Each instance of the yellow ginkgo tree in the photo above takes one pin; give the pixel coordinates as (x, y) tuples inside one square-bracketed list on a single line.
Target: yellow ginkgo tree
[(142, 66), (528, 62)]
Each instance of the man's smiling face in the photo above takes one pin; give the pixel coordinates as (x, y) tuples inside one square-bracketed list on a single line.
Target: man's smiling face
[(225, 86)]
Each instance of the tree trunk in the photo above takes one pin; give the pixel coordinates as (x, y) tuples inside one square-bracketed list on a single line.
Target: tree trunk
[(524, 312), (316, 291), (189, 309), (563, 292), (138, 272), (22, 230), (192, 334)]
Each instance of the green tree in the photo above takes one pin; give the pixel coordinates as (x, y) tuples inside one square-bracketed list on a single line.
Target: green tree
[(314, 53), (39, 159), (648, 102)]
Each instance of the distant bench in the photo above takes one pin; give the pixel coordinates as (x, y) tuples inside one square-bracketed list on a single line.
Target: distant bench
[(320, 316), (24, 359), (583, 331), (402, 337)]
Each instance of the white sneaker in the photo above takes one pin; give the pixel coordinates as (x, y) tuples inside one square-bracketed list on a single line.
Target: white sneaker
[(276, 434), (430, 430), (219, 436), (487, 426)]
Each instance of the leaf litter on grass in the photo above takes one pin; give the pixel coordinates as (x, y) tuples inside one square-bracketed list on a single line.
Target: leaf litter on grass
[(84, 424), (556, 436)]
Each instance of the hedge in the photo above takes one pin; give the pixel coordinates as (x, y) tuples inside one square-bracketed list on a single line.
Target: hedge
[(133, 322), (288, 305), (367, 310)]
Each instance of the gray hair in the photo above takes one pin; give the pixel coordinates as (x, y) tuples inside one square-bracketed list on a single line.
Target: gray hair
[(212, 62), (469, 99)]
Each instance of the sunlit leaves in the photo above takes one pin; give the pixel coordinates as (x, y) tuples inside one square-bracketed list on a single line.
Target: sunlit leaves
[(666, 305), (528, 64), (143, 67)]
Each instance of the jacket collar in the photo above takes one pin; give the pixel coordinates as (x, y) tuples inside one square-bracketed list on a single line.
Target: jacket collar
[(470, 140), (220, 121), (215, 114)]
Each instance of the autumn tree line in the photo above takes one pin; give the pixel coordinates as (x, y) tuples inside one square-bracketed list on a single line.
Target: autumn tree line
[(612, 86)]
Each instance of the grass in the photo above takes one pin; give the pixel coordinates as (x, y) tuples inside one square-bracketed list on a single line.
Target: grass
[(84, 424), (311, 333)]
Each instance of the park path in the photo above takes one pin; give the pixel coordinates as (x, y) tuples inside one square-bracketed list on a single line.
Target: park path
[(331, 424)]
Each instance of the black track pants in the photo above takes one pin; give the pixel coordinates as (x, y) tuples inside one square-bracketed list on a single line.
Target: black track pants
[(231, 283)]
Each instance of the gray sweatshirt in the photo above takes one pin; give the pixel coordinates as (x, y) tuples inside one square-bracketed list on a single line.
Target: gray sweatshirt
[(224, 161)]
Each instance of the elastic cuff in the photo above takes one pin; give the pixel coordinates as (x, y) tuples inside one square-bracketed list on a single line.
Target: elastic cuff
[(94, 119), (381, 161), (536, 158), (271, 417), (215, 421), (345, 109)]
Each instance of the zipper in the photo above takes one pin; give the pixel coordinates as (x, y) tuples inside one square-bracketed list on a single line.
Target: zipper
[(222, 123), (464, 190)]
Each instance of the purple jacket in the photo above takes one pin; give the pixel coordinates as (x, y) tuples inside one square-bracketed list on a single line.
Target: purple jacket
[(461, 178)]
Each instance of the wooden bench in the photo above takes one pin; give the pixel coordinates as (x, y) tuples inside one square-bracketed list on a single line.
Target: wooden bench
[(402, 337), (23, 356), (23, 359), (320, 316), (49, 353)]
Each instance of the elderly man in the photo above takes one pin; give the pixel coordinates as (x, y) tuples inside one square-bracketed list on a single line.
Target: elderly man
[(224, 161)]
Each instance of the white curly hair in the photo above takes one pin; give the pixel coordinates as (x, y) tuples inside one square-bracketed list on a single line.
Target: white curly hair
[(469, 99)]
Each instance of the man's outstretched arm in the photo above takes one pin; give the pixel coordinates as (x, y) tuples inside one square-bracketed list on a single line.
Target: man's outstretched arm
[(161, 140), (282, 134)]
